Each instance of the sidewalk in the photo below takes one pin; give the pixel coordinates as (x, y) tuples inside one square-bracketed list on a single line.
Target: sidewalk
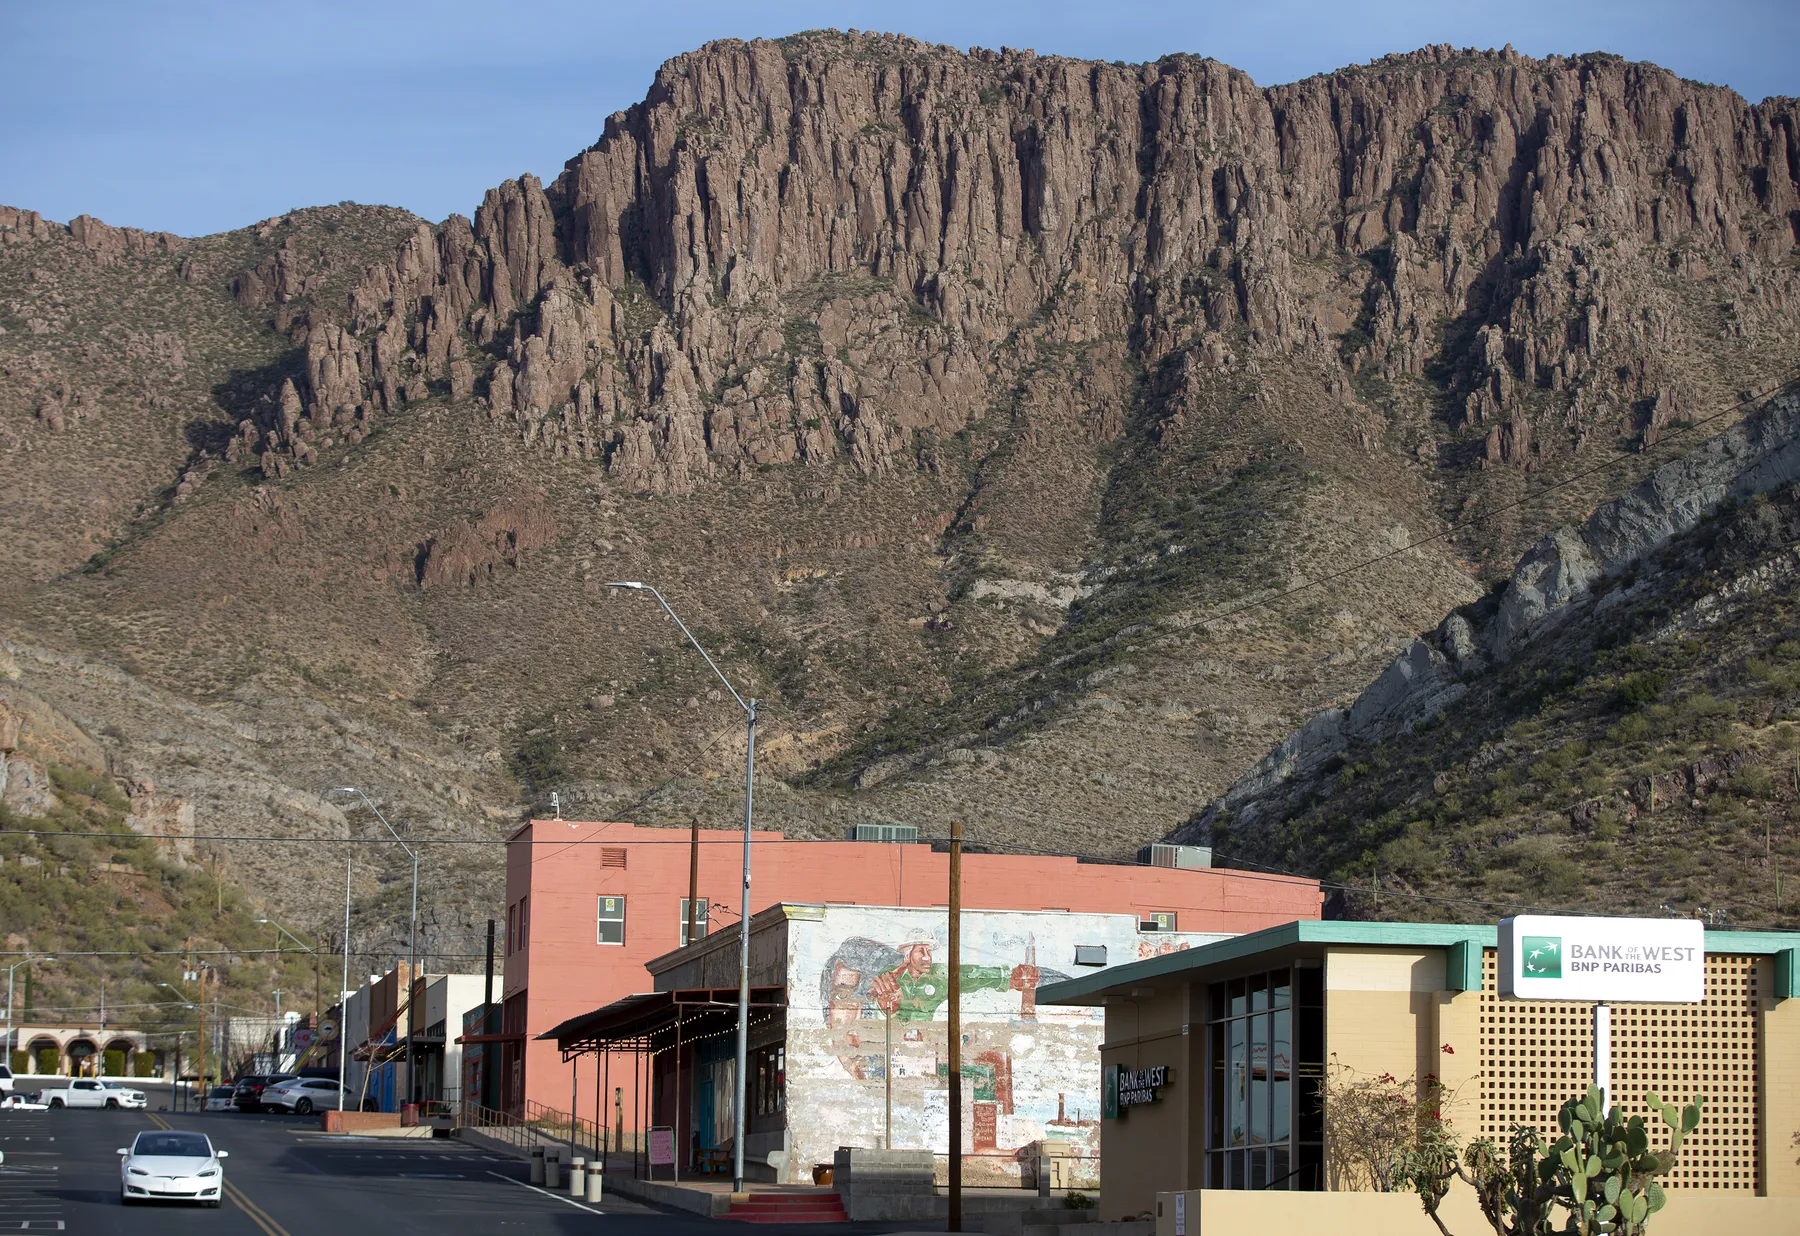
[(712, 1195)]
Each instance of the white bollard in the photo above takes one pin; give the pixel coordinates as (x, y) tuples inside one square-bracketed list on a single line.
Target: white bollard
[(578, 1179), (596, 1183)]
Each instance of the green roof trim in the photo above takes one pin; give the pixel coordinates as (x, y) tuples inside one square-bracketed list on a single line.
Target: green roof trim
[(1462, 966), (1464, 942), (1787, 974)]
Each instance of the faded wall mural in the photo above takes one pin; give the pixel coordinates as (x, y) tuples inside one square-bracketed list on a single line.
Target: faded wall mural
[(867, 992)]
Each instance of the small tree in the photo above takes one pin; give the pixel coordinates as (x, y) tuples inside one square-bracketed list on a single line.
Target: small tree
[(1601, 1170), (1372, 1122)]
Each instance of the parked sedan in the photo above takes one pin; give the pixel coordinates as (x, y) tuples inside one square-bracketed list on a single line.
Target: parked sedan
[(22, 1103), (173, 1165), (250, 1087), (301, 1095), (219, 1099)]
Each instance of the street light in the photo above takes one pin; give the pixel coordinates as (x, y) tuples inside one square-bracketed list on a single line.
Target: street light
[(199, 1043), (743, 1020), (9, 996), (412, 932), (317, 1004)]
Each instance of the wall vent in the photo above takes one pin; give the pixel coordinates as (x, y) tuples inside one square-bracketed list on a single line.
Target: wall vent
[(1090, 954), (612, 856)]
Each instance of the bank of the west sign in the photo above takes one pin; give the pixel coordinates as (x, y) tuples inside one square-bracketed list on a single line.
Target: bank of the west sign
[(1633, 960)]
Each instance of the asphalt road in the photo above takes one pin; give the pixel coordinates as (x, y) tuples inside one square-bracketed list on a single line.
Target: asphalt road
[(285, 1178)]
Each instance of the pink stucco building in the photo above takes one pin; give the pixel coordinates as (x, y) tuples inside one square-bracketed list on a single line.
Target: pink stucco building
[(588, 904)]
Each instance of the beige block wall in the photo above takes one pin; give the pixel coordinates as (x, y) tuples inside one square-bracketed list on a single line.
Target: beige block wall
[(1458, 1027), (1779, 1069), (1381, 1013), (1223, 1212), (1148, 1151)]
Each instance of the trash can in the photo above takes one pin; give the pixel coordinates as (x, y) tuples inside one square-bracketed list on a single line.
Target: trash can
[(578, 1179), (537, 1165), (409, 1114), (552, 1174)]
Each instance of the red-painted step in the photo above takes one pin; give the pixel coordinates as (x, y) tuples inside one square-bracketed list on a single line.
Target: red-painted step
[(822, 1207)]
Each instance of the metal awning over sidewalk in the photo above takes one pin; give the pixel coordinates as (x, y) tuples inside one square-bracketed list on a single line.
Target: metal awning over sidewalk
[(650, 1021)]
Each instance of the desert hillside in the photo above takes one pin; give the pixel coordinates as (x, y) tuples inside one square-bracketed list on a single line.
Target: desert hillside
[(983, 413)]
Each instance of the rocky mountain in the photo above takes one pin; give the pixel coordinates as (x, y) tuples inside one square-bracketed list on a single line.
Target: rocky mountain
[(1637, 679), (984, 413)]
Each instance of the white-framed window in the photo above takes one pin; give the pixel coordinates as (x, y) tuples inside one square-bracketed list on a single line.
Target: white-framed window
[(611, 929), (699, 921)]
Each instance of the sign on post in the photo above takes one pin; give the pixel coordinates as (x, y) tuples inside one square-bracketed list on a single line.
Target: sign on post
[(1599, 960), (662, 1146)]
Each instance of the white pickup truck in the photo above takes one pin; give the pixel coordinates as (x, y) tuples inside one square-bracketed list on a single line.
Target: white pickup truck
[(89, 1092)]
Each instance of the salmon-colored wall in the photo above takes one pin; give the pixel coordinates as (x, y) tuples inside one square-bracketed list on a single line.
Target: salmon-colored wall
[(557, 866)]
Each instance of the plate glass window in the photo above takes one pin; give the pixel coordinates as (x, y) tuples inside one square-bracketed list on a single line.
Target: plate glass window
[(612, 919), (699, 921), (1265, 1061)]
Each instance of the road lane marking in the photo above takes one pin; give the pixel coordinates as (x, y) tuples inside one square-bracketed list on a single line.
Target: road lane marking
[(256, 1213), (558, 1196)]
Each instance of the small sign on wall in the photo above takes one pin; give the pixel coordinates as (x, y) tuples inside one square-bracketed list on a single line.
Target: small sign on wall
[(1123, 1088), (1636, 960)]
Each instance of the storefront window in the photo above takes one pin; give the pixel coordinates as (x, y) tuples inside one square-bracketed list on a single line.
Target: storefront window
[(768, 1081), (1259, 1132)]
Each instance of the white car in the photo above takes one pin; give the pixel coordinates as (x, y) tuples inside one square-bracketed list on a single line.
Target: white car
[(301, 1095), (172, 1164), (22, 1103), (219, 1099)]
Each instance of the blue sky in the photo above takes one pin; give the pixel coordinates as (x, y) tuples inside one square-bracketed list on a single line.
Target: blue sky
[(195, 116)]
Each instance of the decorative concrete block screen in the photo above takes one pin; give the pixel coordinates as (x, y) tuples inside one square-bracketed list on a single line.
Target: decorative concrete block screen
[(1535, 1054)]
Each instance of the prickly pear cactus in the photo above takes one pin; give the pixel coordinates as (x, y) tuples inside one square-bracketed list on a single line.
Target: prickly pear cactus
[(1602, 1169)]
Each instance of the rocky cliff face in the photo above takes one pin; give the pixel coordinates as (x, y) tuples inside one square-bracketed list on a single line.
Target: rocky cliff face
[(1501, 213), (986, 413)]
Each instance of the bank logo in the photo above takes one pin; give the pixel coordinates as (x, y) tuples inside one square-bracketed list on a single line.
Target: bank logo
[(1543, 957)]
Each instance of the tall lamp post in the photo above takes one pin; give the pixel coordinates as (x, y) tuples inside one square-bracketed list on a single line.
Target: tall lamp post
[(9, 1000), (743, 1018), (412, 932), (317, 981), (176, 1085)]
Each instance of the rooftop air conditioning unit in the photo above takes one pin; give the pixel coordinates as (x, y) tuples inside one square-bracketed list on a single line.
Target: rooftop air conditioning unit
[(895, 834), (1191, 857)]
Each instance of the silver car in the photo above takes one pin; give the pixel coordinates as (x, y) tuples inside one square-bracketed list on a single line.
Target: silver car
[(301, 1095), (174, 1165)]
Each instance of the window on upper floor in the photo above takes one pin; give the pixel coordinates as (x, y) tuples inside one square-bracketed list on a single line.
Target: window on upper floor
[(611, 929), (512, 928), (699, 921)]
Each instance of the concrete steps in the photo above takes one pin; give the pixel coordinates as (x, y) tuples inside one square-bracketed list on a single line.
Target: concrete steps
[(821, 1207)]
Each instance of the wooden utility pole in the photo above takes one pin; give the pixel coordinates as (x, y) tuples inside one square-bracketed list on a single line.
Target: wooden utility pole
[(693, 879), (200, 1011), (955, 969)]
